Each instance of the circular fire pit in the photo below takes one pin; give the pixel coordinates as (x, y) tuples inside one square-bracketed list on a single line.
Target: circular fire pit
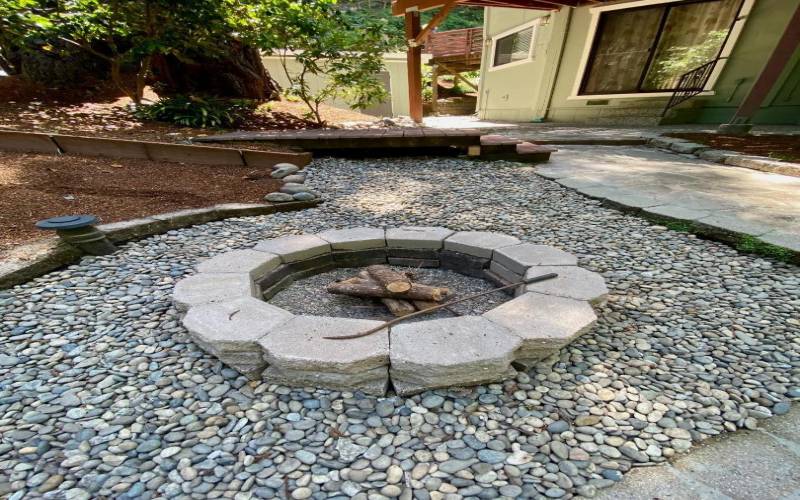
[(228, 316)]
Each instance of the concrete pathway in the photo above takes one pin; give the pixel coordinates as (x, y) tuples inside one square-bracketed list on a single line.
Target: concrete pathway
[(719, 200), (763, 464)]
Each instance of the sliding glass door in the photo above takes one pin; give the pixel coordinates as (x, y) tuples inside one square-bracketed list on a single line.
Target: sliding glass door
[(647, 49)]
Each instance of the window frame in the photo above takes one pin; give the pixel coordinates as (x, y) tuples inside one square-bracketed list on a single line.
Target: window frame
[(591, 38), (522, 27)]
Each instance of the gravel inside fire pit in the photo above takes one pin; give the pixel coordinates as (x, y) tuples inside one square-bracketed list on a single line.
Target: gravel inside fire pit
[(308, 296)]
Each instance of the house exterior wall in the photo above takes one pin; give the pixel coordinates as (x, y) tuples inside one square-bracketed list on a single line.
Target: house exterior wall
[(526, 92), (395, 74)]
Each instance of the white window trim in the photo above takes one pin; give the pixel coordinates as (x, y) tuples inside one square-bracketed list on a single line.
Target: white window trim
[(587, 49), (530, 24)]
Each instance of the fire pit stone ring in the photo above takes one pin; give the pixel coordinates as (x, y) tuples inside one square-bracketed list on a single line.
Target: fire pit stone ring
[(227, 315)]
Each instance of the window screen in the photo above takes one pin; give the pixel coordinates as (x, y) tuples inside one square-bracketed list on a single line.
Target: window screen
[(513, 47)]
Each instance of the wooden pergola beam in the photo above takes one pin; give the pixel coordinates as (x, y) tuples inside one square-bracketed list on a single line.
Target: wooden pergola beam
[(414, 66), (434, 22), (513, 4), (400, 7)]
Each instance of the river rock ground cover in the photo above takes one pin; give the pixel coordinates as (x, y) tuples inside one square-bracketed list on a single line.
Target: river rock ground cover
[(102, 394)]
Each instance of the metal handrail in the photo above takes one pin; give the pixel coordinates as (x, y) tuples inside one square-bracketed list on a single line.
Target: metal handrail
[(690, 84)]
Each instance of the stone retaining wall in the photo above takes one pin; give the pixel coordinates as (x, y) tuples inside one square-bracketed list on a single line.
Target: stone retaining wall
[(227, 316)]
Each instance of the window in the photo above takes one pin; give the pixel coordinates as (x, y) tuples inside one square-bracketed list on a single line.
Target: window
[(513, 47), (647, 49)]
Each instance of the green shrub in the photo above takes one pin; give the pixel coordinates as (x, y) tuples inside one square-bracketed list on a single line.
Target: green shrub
[(191, 111)]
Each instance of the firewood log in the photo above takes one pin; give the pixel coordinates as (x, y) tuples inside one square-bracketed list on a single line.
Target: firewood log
[(393, 281), (399, 307), (423, 304), (362, 288)]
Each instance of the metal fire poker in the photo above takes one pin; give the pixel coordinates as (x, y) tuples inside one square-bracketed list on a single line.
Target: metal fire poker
[(529, 281)]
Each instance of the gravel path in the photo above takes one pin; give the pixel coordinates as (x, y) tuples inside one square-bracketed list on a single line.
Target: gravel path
[(101, 395), (308, 296)]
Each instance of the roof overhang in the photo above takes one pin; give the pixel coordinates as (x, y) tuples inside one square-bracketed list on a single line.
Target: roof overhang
[(400, 7)]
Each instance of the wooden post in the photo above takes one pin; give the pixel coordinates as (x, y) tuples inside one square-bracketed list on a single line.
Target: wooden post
[(434, 89), (414, 63), (740, 123)]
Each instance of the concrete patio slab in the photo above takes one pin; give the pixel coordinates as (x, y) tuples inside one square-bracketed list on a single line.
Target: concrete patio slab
[(752, 464), (722, 199)]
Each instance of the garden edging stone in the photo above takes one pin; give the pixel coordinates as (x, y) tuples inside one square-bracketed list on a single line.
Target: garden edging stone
[(31, 260)]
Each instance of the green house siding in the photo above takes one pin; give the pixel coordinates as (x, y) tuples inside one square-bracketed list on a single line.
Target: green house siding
[(763, 28), (543, 88)]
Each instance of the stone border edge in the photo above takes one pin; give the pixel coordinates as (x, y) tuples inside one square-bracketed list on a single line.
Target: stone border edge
[(48, 143), (52, 253), (723, 157)]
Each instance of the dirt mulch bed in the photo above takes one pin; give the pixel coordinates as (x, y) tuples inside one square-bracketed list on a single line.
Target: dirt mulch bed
[(103, 111), (777, 147), (34, 187)]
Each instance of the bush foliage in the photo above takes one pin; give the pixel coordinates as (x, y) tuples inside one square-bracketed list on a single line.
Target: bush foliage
[(197, 112)]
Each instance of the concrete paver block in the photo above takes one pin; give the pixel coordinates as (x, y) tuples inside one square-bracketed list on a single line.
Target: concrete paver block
[(716, 155), (676, 212), (543, 322), (519, 258), (205, 288), (295, 248), (785, 239), (96, 146), (478, 243), (417, 237), (27, 142), (374, 381), (572, 282), (503, 272), (452, 351), (269, 159), (251, 262), (299, 345), (202, 155), (357, 238), (234, 325), (687, 147), (187, 217)]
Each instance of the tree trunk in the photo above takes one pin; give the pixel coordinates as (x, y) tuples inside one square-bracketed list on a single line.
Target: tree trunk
[(236, 72)]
